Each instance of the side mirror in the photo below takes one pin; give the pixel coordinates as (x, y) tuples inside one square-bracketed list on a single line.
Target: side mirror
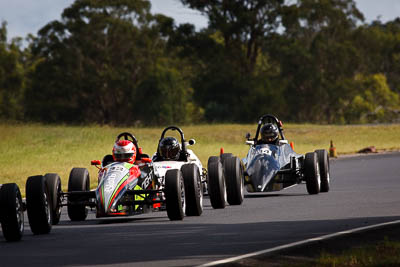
[(192, 142), (249, 142), (95, 162), (281, 142), (248, 136), (146, 160)]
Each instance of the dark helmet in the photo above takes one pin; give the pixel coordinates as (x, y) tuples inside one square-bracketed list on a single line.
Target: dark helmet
[(269, 133), (169, 148)]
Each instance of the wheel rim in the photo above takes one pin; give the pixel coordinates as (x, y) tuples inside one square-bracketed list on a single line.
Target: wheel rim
[(200, 191), (47, 208), (224, 188), (20, 214), (327, 170), (318, 176), (58, 206), (241, 181), (183, 195)]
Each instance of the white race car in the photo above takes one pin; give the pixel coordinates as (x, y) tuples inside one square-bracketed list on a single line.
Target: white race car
[(171, 155)]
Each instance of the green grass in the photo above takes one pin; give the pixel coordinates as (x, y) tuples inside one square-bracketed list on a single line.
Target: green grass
[(32, 149), (383, 253)]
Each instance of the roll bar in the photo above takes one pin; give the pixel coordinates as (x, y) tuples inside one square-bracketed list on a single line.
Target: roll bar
[(179, 130), (267, 118)]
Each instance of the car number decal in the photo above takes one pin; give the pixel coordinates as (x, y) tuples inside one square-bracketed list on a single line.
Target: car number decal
[(109, 183), (112, 174), (265, 151)]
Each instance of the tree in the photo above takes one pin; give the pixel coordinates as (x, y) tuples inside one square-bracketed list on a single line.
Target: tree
[(95, 62), (12, 77), (317, 57), (243, 25), (374, 101)]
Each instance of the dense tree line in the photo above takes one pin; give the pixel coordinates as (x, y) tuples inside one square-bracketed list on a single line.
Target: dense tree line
[(114, 62)]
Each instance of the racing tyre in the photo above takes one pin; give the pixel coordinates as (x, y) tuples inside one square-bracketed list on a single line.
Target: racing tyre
[(193, 190), (38, 205), (78, 181), (12, 212), (224, 156), (311, 171), (53, 182), (174, 194), (234, 179), (216, 183), (323, 162)]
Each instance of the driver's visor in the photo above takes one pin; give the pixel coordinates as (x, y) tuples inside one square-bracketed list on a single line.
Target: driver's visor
[(123, 156)]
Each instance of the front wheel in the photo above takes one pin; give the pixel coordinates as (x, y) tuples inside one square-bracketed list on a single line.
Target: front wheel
[(78, 181), (193, 190), (53, 182), (174, 194), (12, 212), (323, 162), (38, 205), (216, 183), (234, 180), (311, 172)]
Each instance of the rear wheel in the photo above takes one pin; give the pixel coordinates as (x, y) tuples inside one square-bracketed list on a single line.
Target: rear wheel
[(193, 190), (233, 171), (78, 181), (38, 205), (174, 195), (12, 212), (216, 183), (53, 182), (323, 162), (311, 171), (224, 156)]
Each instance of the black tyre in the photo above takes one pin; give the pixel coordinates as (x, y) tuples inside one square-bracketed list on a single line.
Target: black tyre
[(193, 190), (38, 205), (311, 172), (234, 179), (323, 162), (78, 181), (216, 183), (174, 194), (12, 212), (53, 182), (224, 156)]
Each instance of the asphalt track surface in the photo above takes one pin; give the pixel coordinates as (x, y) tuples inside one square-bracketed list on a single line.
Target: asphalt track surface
[(364, 191)]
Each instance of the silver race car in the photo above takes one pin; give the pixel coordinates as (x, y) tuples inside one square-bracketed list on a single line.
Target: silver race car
[(272, 165)]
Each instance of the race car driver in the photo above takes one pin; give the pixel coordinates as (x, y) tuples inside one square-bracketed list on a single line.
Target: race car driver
[(168, 149), (124, 151), (269, 134)]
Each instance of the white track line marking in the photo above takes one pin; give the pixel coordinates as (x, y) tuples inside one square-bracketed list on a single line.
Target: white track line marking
[(311, 240)]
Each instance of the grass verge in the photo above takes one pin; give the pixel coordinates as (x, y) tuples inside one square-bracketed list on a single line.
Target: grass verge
[(383, 253)]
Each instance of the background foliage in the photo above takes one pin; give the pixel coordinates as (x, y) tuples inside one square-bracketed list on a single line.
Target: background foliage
[(114, 62)]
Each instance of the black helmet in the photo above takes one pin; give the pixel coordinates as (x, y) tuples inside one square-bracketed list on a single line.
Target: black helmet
[(269, 133), (169, 148)]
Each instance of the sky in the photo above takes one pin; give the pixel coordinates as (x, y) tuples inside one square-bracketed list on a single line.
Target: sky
[(28, 16)]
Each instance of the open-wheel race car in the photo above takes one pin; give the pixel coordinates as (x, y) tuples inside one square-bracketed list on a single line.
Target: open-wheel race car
[(272, 165), (174, 158), (126, 186)]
